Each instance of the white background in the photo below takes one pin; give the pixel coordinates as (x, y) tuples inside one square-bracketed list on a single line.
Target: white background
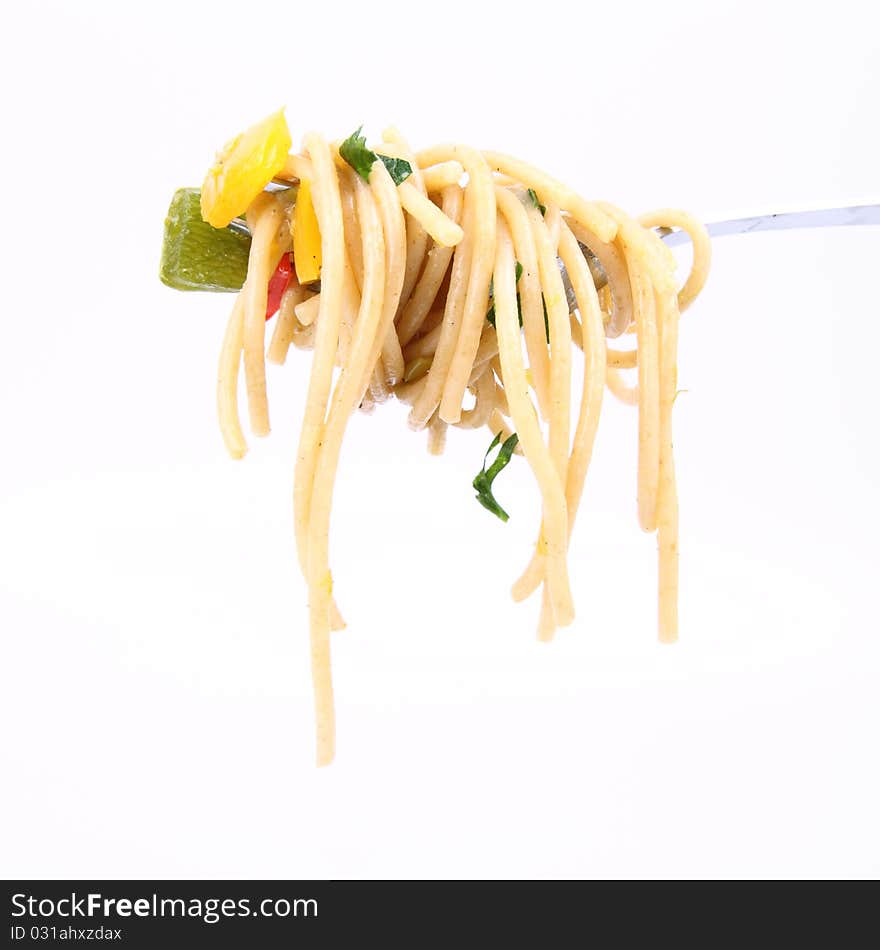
[(155, 692)]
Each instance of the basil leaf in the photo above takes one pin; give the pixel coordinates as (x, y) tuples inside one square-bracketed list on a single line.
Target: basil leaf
[(354, 151), (483, 482)]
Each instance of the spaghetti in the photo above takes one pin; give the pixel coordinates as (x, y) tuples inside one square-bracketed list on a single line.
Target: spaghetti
[(408, 271)]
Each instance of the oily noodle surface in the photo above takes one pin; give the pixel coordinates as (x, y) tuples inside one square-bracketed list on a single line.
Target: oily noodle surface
[(406, 277)]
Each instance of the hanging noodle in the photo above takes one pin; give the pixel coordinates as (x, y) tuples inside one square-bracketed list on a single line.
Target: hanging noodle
[(406, 277)]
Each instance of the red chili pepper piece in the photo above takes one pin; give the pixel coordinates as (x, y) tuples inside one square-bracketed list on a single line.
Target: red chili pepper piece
[(279, 282)]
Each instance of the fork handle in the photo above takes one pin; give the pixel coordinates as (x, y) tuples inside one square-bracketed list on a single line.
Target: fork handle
[(815, 218)]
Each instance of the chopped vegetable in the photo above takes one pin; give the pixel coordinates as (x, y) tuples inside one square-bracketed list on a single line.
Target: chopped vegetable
[(534, 196), (483, 482), (354, 150), (278, 284), (197, 256), (417, 368), (243, 169), (306, 237)]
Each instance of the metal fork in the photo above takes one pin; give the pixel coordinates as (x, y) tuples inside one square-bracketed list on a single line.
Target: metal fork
[(781, 221), (846, 216), (784, 221)]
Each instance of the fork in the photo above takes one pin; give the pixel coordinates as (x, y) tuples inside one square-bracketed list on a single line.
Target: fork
[(845, 216), (774, 221)]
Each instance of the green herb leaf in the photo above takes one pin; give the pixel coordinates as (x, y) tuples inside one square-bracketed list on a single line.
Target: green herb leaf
[(490, 313), (354, 151), (483, 482), (398, 168), (546, 318), (534, 196)]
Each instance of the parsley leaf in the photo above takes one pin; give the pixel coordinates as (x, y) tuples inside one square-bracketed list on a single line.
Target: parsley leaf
[(534, 196), (354, 151), (490, 313), (483, 482), (398, 168)]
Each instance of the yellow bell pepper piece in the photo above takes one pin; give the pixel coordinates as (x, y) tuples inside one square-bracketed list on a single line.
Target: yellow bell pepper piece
[(243, 169), (306, 236)]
